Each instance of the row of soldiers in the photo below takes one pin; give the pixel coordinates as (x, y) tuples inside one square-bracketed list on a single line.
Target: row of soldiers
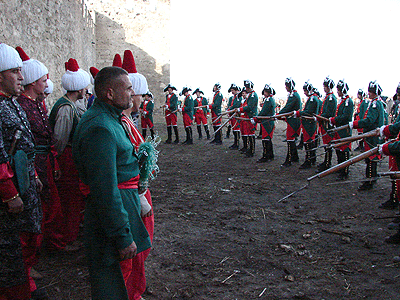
[(329, 119)]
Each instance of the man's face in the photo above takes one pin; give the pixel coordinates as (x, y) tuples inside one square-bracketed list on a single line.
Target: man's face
[(40, 85), (198, 94), (122, 94), (215, 88), (371, 95), (10, 82), (327, 89), (288, 88), (249, 90), (170, 90), (305, 92), (339, 92)]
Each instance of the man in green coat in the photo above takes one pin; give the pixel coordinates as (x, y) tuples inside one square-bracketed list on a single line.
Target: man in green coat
[(187, 115), (373, 118), (108, 166)]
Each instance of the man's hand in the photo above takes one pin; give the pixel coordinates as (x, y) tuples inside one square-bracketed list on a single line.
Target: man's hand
[(15, 206), (39, 184), (129, 252)]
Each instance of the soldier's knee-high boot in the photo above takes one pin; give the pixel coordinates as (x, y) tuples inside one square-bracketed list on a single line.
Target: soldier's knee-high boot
[(144, 133), (176, 135), (207, 131), (199, 132), (307, 162), (341, 157), (187, 136), (169, 132), (218, 137), (228, 131), (215, 135), (251, 148), (294, 153), (244, 148), (235, 144), (313, 153), (152, 133), (288, 160), (326, 164), (301, 143), (190, 136), (270, 150), (369, 171), (392, 203), (264, 157)]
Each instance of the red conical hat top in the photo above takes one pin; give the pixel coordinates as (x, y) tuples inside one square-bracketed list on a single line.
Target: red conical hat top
[(93, 71), (72, 65), (129, 62), (22, 54), (117, 62)]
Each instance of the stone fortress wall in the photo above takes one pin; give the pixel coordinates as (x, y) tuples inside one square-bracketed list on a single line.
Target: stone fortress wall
[(91, 31)]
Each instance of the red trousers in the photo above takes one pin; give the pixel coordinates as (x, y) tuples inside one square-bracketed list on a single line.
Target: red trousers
[(71, 198), (187, 121), (146, 122), (133, 269), (200, 117), (30, 243), (170, 118)]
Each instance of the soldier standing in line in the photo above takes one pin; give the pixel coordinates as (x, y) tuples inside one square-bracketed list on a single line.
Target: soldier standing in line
[(234, 102), (361, 108), (187, 115), (215, 108), (147, 107), (200, 115), (293, 103), (171, 109)]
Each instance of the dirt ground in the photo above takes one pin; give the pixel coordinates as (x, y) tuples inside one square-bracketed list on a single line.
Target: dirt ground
[(220, 232)]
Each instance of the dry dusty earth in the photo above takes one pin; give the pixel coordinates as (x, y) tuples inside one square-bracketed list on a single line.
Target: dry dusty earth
[(221, 233)]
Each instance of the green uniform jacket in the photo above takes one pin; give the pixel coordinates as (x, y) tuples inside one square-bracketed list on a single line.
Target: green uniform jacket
[(394, 148), (234, 102), (173, 102), (149, 108), (204, 101), (217, 102), (268, 109), (104, 157), (188, 106), (375, 118), (252, 104), (310, 108), (328, 110), (293, 103), (344, 116)]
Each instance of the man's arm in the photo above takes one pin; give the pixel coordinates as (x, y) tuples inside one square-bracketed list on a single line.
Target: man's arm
[(63, 127)]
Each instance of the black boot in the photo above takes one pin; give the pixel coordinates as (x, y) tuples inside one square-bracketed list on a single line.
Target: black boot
[(218, 137), (307, 162), (259, 136), (235, 144), (152, 133), (199, 132), (215, 135), (327, 161), (176, 135), (169, 132), (341, 157), (228, 132), (288, 160), (207, 131), (270, 150), (264, 157), (187, 136), (251, 149), (144, 133), (392, 203), (367, 185), (301, 143), (245, 141), (294, 153), (313, 153), (190, 139)]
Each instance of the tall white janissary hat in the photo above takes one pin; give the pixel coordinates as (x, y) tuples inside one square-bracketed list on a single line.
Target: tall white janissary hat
[(9, 58), (139, 82), (74, 78), (32, 69)]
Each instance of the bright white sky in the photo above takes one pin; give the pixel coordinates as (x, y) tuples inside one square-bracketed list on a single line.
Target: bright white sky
[(266, 41)]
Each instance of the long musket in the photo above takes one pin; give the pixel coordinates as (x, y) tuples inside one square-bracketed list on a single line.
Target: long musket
[(222, 114), (172, 112), (321, 118), (202, 106), (345, 164), (381, 175), (223, 125), (338, 128), (373, 132)]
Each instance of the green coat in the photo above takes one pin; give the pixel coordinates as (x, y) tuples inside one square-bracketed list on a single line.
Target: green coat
[(268, 109), (173, 102), (310, 108), (344, 116), (149, 108), (188, 106), (328, 110), (217, 102), (252, 103), (375, 118), (293, 103), (203, 101), (105, 157)]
